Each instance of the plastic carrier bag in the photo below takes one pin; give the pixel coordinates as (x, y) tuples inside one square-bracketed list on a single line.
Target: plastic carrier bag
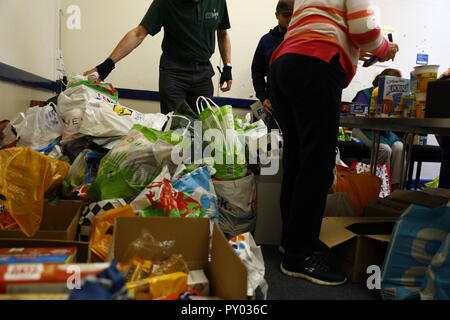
[(72, 104), (131, 164), (416, 239), (102, 119), (198, 184), (237, 204), (39, 127), (436, 285), (251, 255), (222, 119), (25, 177), (161, 199)]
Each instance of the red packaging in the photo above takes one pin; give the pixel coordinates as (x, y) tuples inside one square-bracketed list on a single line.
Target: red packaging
[(45, 278)]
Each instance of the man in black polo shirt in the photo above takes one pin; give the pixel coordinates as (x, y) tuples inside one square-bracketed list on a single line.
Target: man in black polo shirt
[(189, 42)]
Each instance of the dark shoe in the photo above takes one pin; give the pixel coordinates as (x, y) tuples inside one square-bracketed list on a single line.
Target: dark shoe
[(314, 269)]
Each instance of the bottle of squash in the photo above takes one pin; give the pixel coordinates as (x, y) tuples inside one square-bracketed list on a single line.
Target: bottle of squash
[(374, 111)]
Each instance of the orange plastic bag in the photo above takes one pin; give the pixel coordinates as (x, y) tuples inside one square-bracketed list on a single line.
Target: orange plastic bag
[(362, 188), (102, 230), (25, 177)]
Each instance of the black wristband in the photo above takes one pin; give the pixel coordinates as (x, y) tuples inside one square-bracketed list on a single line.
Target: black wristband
[(105, 68), (226, 74)]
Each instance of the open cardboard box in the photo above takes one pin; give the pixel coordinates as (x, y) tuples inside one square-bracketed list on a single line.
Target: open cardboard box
[(357, 243), (60, 222), (226, 273), (397, 203)]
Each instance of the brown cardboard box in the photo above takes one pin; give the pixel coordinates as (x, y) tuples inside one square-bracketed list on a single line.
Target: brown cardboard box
[(385, 208), (419, 198), (82, 247), (397, 203), (357, 243), (226, 273), (60, 222)]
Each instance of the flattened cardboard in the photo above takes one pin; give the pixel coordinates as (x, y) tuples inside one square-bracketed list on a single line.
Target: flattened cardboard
[(385, 208), (82, 247), (438, 192), (357, 243), (59, 222), (226, 272), (419, 198)]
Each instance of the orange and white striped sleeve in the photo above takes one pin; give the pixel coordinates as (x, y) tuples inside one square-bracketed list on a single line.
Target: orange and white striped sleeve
[(363, 28)]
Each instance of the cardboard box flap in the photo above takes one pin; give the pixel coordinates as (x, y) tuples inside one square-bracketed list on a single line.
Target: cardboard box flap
[(190, 236), (438, 192), (336, 231), (380, 237), (60, 216), (419, 198), (333, 231), (225, 284), (372, 228)]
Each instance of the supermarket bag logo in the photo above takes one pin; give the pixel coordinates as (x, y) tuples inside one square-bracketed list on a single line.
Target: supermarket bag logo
[(74, 20), (122, 111)]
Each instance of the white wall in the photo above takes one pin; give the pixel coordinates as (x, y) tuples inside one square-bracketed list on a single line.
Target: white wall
[(418, 25), (29, 33)]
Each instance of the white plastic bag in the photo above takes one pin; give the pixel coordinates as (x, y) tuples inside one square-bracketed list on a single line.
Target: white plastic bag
[(39, 127), (102, 119), (71, 109), (237, 204), (251, 255)]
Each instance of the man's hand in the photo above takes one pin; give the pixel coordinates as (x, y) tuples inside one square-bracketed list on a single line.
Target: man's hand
[(226, 77), (392, 52), (268, 108), (365, 55), (103, 69), (445, 74)]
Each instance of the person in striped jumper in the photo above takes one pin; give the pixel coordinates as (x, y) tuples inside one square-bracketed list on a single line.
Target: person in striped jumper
[(315, 62)]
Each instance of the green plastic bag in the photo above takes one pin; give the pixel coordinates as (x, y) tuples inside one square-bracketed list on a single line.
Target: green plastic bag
[(132, 164)]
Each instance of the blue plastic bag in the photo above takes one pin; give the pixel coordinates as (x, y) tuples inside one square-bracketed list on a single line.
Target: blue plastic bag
[(417, 237), (107, 285), (198, 184), (436, 285)]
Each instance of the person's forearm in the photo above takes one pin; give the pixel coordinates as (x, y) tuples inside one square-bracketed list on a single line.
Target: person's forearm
[(223, 39), (128, 43)]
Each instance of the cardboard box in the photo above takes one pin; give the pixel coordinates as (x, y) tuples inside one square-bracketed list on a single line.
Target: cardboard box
[(385, 208), (357, 243), (82, 255), (60, 222), (397, 203), (226, 273), (419, 198)]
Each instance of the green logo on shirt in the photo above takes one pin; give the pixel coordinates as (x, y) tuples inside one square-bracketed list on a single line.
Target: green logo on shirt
[(212, 15)]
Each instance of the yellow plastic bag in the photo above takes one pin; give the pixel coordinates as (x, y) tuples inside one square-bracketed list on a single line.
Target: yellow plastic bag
[(102, 231), (25, 177)]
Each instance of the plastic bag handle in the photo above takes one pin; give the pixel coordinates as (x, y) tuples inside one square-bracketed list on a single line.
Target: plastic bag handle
[(209, 104)]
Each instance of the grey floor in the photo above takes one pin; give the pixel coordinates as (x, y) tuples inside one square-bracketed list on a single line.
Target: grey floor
[(282, 287)]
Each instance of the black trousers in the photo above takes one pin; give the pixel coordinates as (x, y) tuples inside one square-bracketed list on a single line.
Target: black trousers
[(183, 81), (307, 93), (444, 179)]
